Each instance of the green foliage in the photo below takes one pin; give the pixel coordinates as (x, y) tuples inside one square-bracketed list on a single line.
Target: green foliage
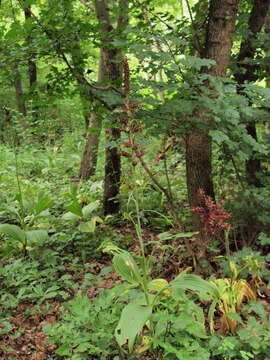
[(156, 310), (77, 212), (86, 328), (248, 263), (24, 280), (251, 342), (144, 305)]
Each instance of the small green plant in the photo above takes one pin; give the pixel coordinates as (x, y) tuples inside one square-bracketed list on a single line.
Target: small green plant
[(27, 234), (77, 213), (251, 341), (86, 327), (144, 302), (23, 280)]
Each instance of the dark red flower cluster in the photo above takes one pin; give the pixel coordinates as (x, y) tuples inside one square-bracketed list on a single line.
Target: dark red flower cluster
[(213, 218)]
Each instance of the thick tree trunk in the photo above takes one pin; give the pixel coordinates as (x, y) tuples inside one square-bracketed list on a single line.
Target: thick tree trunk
[(93, 127), (247, 73), (111, 201), (113, 74), (199, 167), (19, 90), (219, 36)]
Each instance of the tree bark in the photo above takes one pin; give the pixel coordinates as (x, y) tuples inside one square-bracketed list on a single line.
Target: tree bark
[(247, 73), (94, 124), (218, 43), (113, 74)]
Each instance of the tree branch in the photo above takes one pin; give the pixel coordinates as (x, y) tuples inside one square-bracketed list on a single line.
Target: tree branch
[(78, 76)]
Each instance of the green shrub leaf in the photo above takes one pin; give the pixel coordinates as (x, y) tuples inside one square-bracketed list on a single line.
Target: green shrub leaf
[(13, 231), (35, 237), (132, 321), (125, 266)]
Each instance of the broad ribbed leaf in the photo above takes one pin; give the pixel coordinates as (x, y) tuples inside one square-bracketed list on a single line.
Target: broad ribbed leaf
[(36, 237), (132, 321), (13, 231), (88, 209), (157, 285), (90, 226), (125, 265), (69, 216), (43, 204), (196, 284), (75, 208)]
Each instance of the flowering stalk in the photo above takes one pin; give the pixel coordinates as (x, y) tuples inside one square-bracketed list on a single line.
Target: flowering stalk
[(213, 218)]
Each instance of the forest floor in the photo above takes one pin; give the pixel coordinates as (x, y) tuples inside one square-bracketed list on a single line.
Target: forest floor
[(21, 333), (22, 336)]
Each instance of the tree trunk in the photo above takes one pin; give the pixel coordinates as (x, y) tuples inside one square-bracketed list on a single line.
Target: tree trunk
[(112, 61), (93, 127), (247, 73), (32, 68), (19, 90), (111, 201), (219, 37), (89, 158)]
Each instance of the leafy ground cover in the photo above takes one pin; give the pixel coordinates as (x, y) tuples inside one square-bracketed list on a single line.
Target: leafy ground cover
[(134, 179), (78, 285)]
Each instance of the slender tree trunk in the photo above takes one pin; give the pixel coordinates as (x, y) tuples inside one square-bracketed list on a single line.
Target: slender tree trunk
[(247, 73), (219, 37), (32, 68), (89, 158), (112, 61), (19, 90), (94, 124)]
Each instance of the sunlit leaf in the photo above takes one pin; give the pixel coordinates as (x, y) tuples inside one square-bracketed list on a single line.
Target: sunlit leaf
[(90, 226), (159, 285), (69, 216), (43, 204), (125, 266), (75, 208), (88, 209)]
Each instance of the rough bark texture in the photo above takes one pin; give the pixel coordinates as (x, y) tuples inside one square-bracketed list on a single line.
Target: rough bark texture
[(247, 73), (111, 201), (113, 73), (219, 36), (94, 124)]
